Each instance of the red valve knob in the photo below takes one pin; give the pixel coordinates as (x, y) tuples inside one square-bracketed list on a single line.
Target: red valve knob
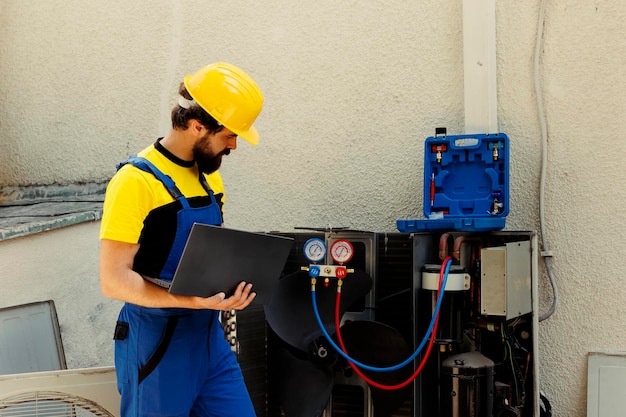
[(341, 272)]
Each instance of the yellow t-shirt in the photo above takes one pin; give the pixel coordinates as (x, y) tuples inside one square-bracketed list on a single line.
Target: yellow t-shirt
[(139, 209)]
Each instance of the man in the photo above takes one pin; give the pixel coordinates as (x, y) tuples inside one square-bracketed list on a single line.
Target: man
[(171, 357)]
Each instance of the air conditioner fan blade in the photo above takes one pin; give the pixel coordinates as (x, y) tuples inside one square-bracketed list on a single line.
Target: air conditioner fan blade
[(290, 313), (379, 345), (302, 389)]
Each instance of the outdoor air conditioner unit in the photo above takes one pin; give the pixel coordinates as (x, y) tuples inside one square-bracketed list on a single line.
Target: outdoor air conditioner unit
[(67, 392)]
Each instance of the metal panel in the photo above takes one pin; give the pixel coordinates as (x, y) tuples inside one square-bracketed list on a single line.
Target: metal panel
[(606, 384), (506, 280), (493, 281), (30, 339), (518, 279)]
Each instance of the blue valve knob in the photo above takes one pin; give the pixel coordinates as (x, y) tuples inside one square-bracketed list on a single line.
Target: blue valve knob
[(314, 271)]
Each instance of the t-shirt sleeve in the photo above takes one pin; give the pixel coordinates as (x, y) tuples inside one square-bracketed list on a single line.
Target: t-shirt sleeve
[(127, 202)]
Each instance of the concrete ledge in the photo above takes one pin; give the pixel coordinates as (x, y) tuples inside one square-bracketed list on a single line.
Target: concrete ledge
[(28, 210)]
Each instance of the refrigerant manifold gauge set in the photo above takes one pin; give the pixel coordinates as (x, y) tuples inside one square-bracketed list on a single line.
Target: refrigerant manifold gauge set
[(315, 250)]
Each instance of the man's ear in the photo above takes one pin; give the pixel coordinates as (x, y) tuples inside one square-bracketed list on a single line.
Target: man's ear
[(195, 127)]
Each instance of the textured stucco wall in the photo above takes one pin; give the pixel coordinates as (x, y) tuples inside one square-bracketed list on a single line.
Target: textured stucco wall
[(352, 89), (62, 265)]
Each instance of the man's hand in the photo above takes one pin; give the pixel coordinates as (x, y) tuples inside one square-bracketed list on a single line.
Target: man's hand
[(241, 299)]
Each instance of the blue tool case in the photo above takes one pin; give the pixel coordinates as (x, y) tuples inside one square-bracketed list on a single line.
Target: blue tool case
[(466, 184)]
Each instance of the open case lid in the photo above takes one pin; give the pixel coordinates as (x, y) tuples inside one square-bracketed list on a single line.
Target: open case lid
[(466, 183)]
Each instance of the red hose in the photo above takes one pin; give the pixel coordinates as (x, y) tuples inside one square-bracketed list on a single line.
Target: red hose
[(424, 359)]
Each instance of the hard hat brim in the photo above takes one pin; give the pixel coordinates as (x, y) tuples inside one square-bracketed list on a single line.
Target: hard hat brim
[(251, 135)]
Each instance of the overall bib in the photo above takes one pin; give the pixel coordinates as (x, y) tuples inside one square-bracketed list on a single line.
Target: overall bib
[(176, 362)]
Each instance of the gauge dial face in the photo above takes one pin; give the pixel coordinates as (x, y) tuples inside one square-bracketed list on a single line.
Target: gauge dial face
[(341, 251), (314, 249)]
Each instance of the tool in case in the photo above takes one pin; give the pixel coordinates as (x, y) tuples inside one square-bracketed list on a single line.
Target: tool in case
[(466, 183)]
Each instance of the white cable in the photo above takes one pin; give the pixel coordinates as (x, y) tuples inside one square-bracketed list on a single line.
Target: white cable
[(546, 254)]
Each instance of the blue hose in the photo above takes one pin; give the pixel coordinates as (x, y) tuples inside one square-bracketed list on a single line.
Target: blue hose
[(410, 358)]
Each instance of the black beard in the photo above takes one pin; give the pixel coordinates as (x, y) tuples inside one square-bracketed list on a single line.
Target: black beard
[(209, 163)]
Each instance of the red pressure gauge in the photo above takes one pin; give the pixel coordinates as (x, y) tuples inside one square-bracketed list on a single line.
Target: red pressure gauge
[(341, 251)]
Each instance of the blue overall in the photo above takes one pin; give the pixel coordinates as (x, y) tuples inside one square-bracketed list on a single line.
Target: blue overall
[(176, 362)]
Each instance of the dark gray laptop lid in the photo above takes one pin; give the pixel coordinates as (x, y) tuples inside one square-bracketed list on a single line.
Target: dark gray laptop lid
[(216, 259)]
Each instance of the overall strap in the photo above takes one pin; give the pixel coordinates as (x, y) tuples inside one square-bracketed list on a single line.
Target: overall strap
[(207, 187), (168, 182)]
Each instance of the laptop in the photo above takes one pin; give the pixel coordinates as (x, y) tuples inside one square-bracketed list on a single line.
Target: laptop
[(216, 259)]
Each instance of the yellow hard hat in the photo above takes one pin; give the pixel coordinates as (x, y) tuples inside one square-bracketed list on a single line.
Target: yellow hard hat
[(230, 96)]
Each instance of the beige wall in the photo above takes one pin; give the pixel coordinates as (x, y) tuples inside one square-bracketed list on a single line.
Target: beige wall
[(62, 265), (352, 89)]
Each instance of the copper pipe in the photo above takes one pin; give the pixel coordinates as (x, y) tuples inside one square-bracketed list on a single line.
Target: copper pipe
[(443, 245), (458, 242)]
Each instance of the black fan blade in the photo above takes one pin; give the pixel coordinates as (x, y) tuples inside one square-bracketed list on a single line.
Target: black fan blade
[(303, 389), (379, 345), (290, 313)]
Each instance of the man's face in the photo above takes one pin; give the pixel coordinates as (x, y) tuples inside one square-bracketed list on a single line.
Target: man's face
[(209, 149)]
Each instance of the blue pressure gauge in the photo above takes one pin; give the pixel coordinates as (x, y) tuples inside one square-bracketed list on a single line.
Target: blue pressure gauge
[(314, 249)]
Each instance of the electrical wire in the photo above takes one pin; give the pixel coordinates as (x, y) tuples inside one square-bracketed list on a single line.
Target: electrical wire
[(546, 254), (509, 351), (447, 263), (518, 378), (470, 339), (410, 379)]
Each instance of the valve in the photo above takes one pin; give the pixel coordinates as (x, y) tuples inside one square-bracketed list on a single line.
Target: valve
[(327, 271), (494, 146), (497, 206), (438, 149), (341, 272)]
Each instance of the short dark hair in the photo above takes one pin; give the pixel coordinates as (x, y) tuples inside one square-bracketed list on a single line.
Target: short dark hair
[(182, 116)]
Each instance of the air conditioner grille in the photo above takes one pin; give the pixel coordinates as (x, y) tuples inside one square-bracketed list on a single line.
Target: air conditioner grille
[(48, 404)]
